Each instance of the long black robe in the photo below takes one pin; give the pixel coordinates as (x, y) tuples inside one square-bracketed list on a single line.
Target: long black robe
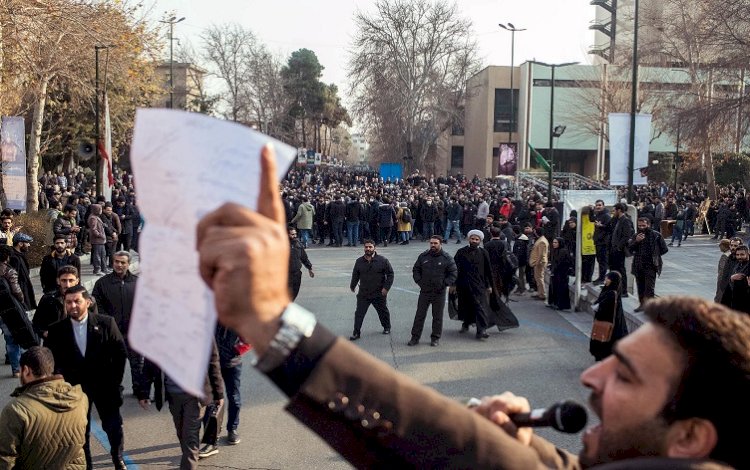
[(474, 278)]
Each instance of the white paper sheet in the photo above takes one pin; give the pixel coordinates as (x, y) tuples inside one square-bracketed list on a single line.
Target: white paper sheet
[(185, 165)]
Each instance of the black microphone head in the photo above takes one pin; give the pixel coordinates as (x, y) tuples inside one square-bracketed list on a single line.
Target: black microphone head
[(570, 417)]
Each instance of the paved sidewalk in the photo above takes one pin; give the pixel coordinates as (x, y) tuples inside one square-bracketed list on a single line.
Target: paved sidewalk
[(690, 269)]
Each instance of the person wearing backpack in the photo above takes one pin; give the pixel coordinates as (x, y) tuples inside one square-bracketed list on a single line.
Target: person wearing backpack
[(404, 223)]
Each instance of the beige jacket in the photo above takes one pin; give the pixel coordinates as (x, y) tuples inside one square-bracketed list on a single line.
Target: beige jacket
[(539, 252)]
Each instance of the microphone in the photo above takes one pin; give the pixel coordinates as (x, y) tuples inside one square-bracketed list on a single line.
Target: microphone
[(567, 416)]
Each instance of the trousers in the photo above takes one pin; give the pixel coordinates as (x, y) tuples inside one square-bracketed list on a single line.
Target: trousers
[(427, 299), (381, 306), (187, 415)]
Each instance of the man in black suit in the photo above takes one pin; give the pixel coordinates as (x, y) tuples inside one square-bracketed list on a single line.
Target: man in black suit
[(89, 350)]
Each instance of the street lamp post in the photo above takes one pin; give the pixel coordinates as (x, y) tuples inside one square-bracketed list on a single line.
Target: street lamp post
[(677, 155), (510, 27), (633, 105), (171, 22), (552, 128)]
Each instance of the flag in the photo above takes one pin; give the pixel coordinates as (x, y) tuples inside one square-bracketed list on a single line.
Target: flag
[(105, 150), (539, 158)]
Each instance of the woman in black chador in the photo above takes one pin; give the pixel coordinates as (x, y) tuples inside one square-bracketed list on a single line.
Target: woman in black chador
[(609, 308), (561, 265)]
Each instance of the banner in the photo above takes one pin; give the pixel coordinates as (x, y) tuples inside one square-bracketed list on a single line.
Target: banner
[(543, 164), (107, 177), (13, 149), (619, 148), (587, 237), (507, 163)]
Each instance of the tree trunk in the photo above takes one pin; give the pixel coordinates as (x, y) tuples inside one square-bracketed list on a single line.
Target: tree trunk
[(35, 140), (304, 134), (708, 168)]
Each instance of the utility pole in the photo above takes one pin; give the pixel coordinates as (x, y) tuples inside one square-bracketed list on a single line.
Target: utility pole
[(510, 27), (677, 155), (171, 22), (633, 105)]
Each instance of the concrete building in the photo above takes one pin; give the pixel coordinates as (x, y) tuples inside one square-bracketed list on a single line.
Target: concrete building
[(580, 104), (188, 83), (358, 152)]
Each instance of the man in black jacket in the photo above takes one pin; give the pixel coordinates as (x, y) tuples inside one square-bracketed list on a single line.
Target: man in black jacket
[(337, 213), (453, 214), (127, 216), (187, 410), (647, 247), (353, 209), (60, 256), (90, 351), (51, 307), (622, 230), (114, 294), (434, 271), (599, 214), (374, 275), (18, 261), (297, 259)]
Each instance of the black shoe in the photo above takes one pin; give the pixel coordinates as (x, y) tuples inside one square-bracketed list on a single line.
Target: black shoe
[(463, 329), (207, 451), (413, 342), (233, 438), (458, 242), (434, 343), (119, 464), (386, 331), (638, 309), (625, 295), (482, 335), (354, 337)]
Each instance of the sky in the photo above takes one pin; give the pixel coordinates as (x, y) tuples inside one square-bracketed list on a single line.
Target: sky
[(557, 30)]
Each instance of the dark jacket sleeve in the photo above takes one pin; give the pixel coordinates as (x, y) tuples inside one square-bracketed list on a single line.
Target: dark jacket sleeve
[(355, 276), (451, 272), (487, 270), (117, 349), (388, 275), (214, 374), (305, 260), (416, 271)]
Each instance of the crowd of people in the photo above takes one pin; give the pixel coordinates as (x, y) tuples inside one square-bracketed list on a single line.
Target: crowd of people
[(517, 242), (668, 397)]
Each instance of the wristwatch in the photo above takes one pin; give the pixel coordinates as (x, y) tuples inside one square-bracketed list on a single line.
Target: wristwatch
[(296, 324)]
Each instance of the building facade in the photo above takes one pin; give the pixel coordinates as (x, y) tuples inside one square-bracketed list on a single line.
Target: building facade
[(583, 98), (188, 86)]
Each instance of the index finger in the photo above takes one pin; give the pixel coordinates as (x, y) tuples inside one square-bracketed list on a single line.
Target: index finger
[(269, 199)]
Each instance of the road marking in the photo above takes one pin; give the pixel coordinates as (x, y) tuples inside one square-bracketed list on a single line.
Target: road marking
[(101, 436)]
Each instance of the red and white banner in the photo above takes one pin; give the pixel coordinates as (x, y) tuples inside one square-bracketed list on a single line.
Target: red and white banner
[(105, 152)]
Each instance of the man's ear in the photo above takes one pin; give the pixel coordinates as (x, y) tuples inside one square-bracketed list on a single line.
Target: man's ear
[(692, 438)]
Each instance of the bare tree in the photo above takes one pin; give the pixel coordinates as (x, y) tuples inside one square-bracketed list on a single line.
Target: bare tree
[(708, 40), (229, 50), (408, 70)]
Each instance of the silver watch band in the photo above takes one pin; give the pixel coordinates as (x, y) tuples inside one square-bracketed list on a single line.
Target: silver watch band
[(296, 324)]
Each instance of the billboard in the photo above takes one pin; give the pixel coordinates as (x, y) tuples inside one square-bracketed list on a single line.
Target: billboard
[(507, 163), (619, 148), (13, 149)]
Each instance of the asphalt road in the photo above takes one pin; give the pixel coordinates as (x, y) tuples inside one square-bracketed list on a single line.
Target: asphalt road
[(541, 360)]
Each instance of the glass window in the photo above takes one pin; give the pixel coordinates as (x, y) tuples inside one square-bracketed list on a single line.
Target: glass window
[(502, 110), (457, 156)]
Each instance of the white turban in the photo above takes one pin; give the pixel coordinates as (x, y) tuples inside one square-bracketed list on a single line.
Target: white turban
[(478, 233)]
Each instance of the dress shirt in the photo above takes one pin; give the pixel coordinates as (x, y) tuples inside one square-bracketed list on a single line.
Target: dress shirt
[(80, 331)]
